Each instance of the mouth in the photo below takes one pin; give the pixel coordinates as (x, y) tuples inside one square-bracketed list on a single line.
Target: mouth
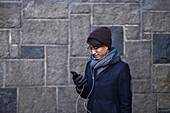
[(95, 56)]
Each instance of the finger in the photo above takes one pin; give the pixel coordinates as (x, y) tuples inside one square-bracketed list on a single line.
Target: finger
[(78, 78)]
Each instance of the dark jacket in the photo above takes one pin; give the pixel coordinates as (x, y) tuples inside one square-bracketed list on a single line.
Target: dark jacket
[(111, 92)]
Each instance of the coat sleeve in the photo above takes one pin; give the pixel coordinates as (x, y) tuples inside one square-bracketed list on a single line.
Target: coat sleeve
[(124, 91), (84, 92)]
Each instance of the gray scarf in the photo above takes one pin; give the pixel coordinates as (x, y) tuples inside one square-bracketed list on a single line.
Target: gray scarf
[(100, 65)]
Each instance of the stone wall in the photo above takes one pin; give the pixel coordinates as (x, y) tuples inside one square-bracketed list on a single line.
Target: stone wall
[(41, 41)]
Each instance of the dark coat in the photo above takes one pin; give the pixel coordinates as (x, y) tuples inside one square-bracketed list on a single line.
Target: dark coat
[(111, 92)]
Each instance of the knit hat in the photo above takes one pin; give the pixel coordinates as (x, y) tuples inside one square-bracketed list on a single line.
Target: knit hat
[(102, 35)]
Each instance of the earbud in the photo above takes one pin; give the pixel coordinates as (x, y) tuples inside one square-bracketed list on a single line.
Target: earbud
[(106, 48)]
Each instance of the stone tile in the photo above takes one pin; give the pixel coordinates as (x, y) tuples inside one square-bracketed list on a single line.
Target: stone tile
[(1, 73), (138, 56), (117, 38), (164, 101), (156, 21), (45, 32), (32, 52), (161, 79), (156, 4), (80, 9), (110, 1), (143, 86), (161, 48), (45, 9), (37, 100), (14, 51), (164, 111), (146, 36), (78, 65), (11, 15), (116, 14), (15, 34), (8, 100), (57, 65), (4, 44), (145, 103), (80, 30), (67, 101), (132, 33), (24, 73)]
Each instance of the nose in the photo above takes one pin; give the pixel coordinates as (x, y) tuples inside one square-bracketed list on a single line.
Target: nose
[(93, 51)]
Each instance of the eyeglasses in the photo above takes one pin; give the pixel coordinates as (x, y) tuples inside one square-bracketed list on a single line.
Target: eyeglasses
[(93, 49)]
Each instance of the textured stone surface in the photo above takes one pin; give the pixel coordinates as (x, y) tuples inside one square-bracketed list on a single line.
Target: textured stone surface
[(143, 86), (45, 9), (78, 65), (1, 73), (161, 48), (145, 103), (138, 56), (57, 65), (80, 9), (164, 111), (8, 100), (110, 1), (67, 101), (156, 21), (132, 33), (14, 51), (156, 4), (146, 36), (116, 14), (45, 32), (4, 44), (37, 100), (15, 35), (10, 15), (24, 73), (117, 38), (32, 52), (164, 101), (161, 78), (80, 29)]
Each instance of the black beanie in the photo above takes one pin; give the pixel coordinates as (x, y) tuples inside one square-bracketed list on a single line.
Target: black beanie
[(102, 35)]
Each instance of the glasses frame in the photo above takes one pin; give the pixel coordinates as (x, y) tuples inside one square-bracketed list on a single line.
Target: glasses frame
[(94, 49)]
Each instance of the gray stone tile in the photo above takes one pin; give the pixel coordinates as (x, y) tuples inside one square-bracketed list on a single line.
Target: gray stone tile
[(8, 100), (156, 21), (161, 48), (80, 30), (145, 103), (67, 101), (37, 100), (57, 65), (132, 33), (78, 65), (116, 14), (11, 15), (45, 32), (15, 35), (138, 56), (142, 86), (164, 101), (156, 4), (24, 73), (80, 9), (45, 9), (4, 44), (32, 52), (161, 78), (1, 73)]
